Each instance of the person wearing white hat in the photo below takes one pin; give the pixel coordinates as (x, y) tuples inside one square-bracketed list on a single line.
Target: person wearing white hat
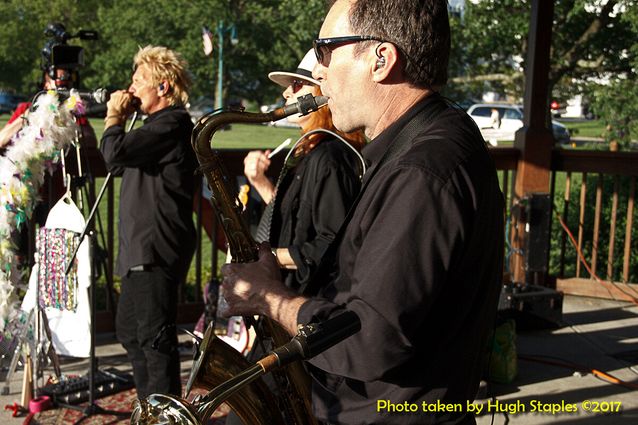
[(319, 181), (315, 189)]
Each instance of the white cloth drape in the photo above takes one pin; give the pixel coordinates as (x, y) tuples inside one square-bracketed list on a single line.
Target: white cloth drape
[(70, 331)]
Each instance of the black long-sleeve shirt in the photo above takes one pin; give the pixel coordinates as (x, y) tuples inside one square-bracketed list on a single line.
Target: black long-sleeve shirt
[(157, 166), (421, 264), (313, 199)]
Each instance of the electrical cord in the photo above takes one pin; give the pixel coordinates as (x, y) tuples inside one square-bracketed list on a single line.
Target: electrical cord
[(582, 259), (555, 361)]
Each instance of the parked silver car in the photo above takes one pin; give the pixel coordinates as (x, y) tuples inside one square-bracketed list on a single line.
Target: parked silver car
[(499, 122)]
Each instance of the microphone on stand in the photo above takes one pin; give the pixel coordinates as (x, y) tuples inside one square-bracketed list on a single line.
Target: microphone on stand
[(132, 123), (99, 96), (95, 100)]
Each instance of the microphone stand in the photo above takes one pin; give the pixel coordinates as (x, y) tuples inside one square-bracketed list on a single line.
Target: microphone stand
[(92, 408)]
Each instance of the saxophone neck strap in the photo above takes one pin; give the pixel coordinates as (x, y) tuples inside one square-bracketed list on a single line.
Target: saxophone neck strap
[(401, 143)]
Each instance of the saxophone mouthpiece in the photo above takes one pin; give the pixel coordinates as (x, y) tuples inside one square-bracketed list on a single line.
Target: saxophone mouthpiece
[(321, 101), (305, 105)]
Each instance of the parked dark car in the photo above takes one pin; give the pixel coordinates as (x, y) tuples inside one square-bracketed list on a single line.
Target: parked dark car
[(200, 107), (9, 101)]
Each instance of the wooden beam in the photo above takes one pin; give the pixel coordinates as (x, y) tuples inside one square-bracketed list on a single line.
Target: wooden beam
[(598, 289), (605, 162), (534, 140)]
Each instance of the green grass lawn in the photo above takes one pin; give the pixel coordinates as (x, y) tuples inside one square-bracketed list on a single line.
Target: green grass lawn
[(239, 136), (261, 136), (589, 128), (253, 136)]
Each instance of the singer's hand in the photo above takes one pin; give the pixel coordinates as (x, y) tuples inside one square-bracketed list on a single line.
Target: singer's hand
[(120, 104)]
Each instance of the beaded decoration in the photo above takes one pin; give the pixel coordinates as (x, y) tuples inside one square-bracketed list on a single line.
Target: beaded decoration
[(55, 288), (34, 151)]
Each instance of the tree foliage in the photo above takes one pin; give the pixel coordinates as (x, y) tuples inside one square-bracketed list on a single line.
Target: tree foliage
[(616, 101), (22, 25), (272, 34), (487, 41), (590, 40)]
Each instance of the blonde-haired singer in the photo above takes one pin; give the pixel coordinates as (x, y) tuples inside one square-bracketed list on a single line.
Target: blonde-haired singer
[(156, 232)]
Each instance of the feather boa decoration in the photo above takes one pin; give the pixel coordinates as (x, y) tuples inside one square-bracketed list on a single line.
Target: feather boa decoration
[(35, 150)]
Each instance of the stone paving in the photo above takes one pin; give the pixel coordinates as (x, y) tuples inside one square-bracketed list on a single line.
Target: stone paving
[(554, 370)]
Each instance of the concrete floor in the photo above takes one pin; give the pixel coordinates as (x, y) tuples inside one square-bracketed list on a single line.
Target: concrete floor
[(595, 334)]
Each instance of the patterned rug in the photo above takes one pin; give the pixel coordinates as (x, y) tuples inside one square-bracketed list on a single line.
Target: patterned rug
[(120, 402)]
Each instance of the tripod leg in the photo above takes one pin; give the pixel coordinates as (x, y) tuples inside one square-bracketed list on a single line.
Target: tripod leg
[(27, 382), (17, 353), (50, 352)]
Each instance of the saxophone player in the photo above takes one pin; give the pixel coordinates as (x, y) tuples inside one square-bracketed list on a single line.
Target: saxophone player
[(156, 232), (420, 260)]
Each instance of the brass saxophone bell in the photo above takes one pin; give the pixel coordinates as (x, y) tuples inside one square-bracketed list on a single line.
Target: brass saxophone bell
[(163, 410)]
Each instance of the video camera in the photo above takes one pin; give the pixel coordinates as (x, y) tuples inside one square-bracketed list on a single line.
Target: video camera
[(57, 54)]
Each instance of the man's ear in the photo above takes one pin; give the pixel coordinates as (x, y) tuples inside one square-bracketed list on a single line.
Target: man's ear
[(163, 88), (386, 57)]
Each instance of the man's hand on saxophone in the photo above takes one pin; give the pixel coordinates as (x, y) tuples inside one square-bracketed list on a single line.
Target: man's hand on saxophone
[(256, 288)]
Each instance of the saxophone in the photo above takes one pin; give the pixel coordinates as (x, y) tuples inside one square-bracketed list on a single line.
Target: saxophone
[(217, 367)]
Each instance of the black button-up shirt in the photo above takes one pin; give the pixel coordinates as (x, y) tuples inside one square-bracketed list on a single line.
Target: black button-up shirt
[(313, 200), (421, 264), (157, 164)]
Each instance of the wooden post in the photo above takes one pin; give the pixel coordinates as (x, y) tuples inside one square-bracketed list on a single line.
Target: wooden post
[(27, 383), (534, 140)]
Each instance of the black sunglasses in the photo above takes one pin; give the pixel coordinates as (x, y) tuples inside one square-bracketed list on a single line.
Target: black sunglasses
[(322, 46), (297, 85)]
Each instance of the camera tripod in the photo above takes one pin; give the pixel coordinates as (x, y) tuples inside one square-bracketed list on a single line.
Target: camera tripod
[(96, 261)]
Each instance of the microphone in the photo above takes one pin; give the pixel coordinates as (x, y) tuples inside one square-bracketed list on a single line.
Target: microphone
[(95, 100), (100, 95)]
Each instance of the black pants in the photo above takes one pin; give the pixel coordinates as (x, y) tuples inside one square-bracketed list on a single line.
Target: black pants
[(148, 304)]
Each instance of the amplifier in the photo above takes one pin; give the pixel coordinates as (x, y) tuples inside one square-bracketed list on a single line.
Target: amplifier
[(531, 306), (76, 390)]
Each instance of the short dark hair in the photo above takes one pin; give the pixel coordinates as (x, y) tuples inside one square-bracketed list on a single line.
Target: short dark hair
[(420, 29)]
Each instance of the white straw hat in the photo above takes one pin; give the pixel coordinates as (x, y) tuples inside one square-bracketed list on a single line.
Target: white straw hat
[(303, 72)]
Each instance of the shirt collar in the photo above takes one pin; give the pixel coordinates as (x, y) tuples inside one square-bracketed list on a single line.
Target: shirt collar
[(373, 151), (157, 114)]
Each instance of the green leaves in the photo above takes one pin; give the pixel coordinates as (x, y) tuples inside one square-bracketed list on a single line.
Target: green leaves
[(617, 105), (589, 39), (272, 34)]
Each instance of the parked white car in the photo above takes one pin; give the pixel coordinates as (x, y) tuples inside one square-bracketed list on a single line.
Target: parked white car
[(502, 127)]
